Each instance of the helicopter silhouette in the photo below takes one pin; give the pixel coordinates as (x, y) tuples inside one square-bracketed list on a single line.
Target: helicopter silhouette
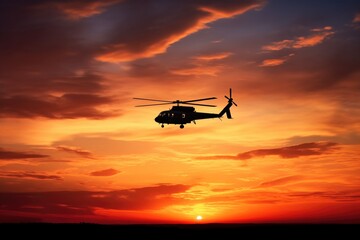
[(184, 114)]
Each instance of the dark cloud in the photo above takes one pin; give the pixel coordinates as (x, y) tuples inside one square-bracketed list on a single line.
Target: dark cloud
[(280, 181), (9, 155), (79, 9), (305, 149), (84, 202), (345, 138), (46, 65), (341, 196), (158, 24), (48, 48), (47, 106), (78, 151), (30, 175), (105, 172)]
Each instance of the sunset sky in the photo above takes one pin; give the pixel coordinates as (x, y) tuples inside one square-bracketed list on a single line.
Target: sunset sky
[(73, 148)]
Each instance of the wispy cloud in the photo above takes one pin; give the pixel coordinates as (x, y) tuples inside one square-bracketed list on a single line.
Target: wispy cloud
[(214, 56), (30, 175), (273, 62), (275, 46), (198, 70), (280, 181), (105, 172), (79, 9), (78, 151), (318, 36), (305, 149), (9, 155)]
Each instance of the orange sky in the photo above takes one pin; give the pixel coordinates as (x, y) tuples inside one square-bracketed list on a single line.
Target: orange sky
[(73, 148)]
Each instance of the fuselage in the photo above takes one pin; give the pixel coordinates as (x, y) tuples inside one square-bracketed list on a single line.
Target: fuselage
[(182, 117)]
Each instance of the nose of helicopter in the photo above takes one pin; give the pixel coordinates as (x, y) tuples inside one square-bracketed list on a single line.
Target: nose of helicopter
[(157, 119)]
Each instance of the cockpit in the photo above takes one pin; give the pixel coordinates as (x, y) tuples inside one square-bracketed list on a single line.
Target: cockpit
[(162, 114)]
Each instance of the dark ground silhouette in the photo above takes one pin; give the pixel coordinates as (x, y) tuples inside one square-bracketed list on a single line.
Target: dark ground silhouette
[(179, 231)]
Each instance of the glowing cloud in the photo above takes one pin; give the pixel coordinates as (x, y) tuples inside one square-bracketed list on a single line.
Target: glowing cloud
[(273, 62), (312, 40), (320, 34), (215, 56), (279, 45), (198, 70)]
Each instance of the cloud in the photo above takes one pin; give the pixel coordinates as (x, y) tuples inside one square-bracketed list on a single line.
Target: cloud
[(203, 65), (78, 9), (319, 35), (273, 62), (280, 181), (30, 175), (312, 40), (304, 149), (215, 56), (275, 46), (57, 71), (356, 18), (86, 202), (351, 138), (105, 172), (65, 106), (9, 155), (345, 196), (78, 151), (198, 70), (152, 34)]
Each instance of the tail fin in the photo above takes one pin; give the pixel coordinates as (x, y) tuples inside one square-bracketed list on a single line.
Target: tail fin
[(228, 106)]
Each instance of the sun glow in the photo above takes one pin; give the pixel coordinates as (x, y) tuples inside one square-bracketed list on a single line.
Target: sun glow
[(199, 218)]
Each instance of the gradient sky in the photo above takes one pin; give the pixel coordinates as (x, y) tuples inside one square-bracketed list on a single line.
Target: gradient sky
[(75, 149)]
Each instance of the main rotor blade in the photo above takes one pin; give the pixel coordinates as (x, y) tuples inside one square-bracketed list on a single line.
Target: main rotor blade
[(196, 104), (230, 93), (155, 104), (234, 103), (201, 99), (154, 100)]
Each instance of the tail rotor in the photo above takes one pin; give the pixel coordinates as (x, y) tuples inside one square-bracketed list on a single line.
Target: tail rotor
[(230, 98)]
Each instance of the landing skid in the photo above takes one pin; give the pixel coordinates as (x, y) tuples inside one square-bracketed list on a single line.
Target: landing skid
[(181, 126)]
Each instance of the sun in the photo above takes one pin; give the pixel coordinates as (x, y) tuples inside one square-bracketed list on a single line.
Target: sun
[(199, 218)]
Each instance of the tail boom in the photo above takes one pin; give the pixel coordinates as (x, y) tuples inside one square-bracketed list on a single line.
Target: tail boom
[(226, 110)]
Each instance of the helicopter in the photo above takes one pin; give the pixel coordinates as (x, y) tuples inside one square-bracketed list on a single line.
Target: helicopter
[(185, 114)]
